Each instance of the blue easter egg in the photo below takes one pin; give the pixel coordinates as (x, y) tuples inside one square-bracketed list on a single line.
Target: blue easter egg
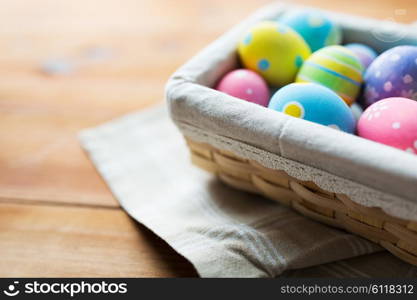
[(314, 103), (317, 29)]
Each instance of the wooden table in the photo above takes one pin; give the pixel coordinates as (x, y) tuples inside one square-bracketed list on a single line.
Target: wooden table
[(68, 65)]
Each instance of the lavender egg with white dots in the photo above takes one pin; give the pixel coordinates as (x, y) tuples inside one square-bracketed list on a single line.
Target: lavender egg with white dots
[(392, 74)]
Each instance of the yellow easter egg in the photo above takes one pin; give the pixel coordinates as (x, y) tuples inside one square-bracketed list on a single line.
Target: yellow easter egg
[(274, 51)]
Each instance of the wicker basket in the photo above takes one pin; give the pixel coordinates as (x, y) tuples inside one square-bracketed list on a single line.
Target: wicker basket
[(363, 196), (396, 235)]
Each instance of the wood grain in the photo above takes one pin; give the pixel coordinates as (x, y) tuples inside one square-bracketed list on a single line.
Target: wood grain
[(79, 242), (41, 163), (40, 157)]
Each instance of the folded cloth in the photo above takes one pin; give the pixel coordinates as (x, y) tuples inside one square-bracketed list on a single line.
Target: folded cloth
[(221, 231), (381, 264)]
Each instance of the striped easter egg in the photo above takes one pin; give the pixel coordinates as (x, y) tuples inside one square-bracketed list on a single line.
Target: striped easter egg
[(335, 67)]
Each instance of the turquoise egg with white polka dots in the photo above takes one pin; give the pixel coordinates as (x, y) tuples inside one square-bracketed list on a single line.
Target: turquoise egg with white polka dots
[(274, 51), (314, 103), (317, 29)]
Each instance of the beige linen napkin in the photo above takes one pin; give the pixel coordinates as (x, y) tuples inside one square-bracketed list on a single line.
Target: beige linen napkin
[(221, 231)]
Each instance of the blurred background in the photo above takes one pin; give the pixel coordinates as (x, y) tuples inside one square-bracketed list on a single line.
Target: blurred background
[(69, 65)]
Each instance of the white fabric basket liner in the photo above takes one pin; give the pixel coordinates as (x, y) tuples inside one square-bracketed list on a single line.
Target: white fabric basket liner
[(369, 173)]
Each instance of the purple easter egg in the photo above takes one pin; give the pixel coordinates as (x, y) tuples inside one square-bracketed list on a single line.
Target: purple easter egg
[(365, 53), (392, 74)]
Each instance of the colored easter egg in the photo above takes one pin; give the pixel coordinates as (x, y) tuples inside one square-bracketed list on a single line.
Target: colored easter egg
[(335, 67), (391, 121), (357, 110), (317, 29), (274, 51), (315, 103), (246, 85), (392, 74), (365, 54)]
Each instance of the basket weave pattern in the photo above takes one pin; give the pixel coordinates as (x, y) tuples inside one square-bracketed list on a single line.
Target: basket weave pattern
[(396, 235)]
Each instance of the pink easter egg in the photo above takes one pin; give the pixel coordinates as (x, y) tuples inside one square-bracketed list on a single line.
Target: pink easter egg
[(246, 85), (391, 121)]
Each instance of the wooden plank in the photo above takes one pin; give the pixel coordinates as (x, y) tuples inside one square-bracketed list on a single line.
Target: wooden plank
[(68, 241), (41, 162), (40, 158), (40, 115)]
